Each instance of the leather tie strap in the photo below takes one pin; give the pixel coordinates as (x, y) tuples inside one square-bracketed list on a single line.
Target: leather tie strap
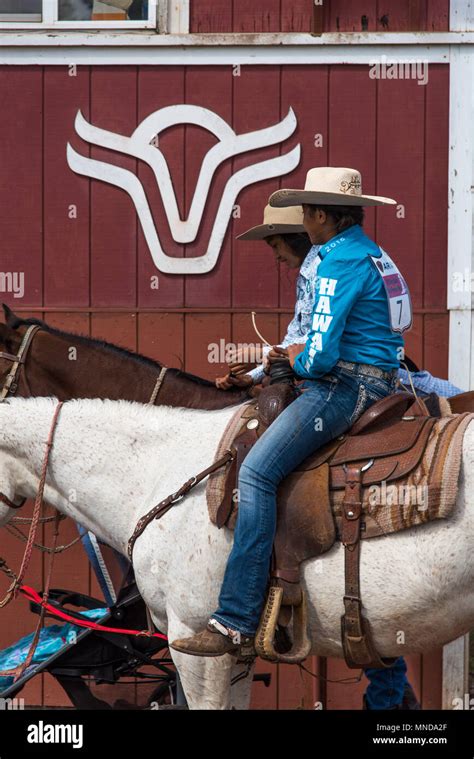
[(241, 446), (357, 641)]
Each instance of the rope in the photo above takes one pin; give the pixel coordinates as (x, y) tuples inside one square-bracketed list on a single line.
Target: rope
[(33, 595), (19, 535), (157, 387), (254, 313), (38, 501), (411, 381), (42, 520), (12, 591), (6, 569), (34, 643), (344, 681)]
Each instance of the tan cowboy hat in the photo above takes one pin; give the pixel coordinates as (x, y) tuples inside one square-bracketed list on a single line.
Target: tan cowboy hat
[(276, 221), (331, 186)]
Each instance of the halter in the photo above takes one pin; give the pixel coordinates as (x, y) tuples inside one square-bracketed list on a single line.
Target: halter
[(11, 384), (4, 499)]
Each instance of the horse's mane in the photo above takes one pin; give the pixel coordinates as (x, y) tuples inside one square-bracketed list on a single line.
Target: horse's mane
[(16, 321)]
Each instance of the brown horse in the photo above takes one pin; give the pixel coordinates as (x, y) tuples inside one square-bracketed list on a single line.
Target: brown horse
[(75, 366)]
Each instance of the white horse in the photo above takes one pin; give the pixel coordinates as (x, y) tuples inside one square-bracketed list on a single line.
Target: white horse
[(113, 460)]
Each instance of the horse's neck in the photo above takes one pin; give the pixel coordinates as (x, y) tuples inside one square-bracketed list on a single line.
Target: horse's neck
[(98, 473), (70, 367), (179, 390), (111, 374), (110, 462)]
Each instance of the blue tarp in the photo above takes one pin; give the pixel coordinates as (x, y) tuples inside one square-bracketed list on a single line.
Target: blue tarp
[(51, 640)]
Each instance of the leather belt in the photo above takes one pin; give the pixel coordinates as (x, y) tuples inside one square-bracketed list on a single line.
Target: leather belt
[(369, 369)]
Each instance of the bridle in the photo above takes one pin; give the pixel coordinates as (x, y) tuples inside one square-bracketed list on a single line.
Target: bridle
[(11, 386), (11, 382)]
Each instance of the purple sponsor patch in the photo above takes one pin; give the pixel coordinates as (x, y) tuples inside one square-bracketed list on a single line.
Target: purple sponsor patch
[(395, 285)]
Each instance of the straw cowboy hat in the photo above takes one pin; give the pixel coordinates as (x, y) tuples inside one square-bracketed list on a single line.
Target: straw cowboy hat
[(331, 186), (276, 221)]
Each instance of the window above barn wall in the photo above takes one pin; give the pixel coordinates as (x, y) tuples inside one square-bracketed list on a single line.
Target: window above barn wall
[(79, 14)]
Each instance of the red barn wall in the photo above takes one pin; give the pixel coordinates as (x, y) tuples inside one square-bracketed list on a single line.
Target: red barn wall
[(246, 16), (92, 273)]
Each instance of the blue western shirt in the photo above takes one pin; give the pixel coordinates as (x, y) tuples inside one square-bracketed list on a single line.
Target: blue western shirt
[(350, 318)]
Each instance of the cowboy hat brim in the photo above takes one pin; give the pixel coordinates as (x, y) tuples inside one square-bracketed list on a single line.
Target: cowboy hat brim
[(262, 231), (283, 198)]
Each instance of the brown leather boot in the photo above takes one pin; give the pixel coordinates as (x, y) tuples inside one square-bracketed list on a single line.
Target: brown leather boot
[(214, 640)]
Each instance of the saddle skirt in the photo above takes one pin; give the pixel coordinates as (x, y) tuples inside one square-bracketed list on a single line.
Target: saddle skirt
[(413, 478)]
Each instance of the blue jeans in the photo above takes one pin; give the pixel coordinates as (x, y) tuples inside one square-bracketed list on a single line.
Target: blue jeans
[(386, 686), (325, 409)]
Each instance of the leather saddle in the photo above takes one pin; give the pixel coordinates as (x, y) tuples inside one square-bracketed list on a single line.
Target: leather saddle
[(385, 443)]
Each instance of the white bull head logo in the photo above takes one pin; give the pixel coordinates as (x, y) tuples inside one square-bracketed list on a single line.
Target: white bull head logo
[(230, 144)]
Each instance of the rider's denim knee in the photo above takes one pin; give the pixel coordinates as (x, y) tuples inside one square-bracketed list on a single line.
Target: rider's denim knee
[(258, 471)]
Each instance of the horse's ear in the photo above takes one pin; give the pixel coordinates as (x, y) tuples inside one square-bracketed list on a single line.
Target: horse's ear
[(10, 317)]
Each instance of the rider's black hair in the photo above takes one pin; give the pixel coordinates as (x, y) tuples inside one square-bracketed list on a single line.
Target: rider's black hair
[(299, 243), (343, 216)]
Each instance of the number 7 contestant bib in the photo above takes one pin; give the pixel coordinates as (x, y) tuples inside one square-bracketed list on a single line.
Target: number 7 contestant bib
[(396, 289)]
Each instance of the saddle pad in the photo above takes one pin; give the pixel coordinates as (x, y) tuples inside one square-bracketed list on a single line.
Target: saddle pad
[(428, 492)]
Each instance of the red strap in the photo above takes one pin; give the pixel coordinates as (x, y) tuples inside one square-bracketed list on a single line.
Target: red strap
[(32, 595)]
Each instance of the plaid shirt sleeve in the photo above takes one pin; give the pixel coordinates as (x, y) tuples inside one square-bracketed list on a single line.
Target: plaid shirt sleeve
[(425, 382)]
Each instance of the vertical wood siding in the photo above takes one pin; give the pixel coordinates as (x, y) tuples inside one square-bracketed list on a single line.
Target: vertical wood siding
[(220, 16)]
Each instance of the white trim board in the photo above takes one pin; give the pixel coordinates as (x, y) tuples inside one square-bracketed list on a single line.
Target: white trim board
[(36, 35), (455, 672), (461, 15), (178, 16), (96, 53)]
